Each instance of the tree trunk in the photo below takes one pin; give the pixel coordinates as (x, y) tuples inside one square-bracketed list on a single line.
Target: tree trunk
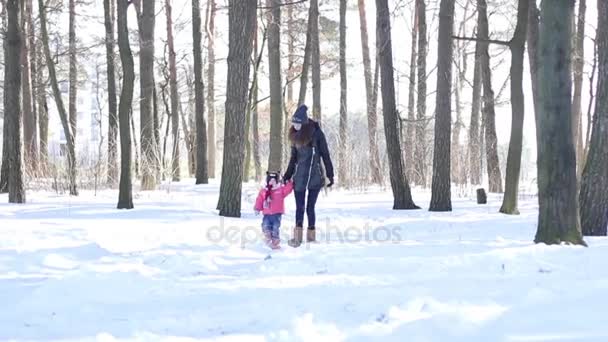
[(63, 114), (558, 219), (315, 61), (241, 25), (401, 189), (125, 197), (532, 40), (12, 102), (73, 70), (134, 142), (474, 134), (343, 130), (420, 148), (307, 56), (211, 86), (255, 126), (578, 68), (372, 118), (290, 59), (202, 171), (494, 176), (517, 46), (108, 7), (175, 155), (410, 136), (441, 185), (43, 120), (594, 184), (276, 85), (4, 168), (149, 160), (29, 114)]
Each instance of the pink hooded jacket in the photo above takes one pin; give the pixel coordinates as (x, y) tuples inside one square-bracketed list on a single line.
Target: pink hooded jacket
[(277, 199)]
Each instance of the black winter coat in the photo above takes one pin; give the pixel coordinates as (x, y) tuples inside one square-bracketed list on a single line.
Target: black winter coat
[(309, 146)]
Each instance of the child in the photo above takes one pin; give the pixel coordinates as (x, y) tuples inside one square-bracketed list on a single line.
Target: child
[(270, 202)]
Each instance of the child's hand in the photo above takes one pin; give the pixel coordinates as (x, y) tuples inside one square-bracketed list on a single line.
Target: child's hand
[(257, 212)]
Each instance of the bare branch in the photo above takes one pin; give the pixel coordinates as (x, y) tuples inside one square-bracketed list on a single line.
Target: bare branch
[(491, 41)]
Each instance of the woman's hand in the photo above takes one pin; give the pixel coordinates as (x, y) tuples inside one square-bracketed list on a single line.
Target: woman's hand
[(331, 182)]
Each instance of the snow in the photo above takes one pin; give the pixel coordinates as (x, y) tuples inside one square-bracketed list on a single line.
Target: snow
[(75, 268)]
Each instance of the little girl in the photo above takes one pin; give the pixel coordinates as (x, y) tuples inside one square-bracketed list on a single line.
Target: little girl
[(270, 202)]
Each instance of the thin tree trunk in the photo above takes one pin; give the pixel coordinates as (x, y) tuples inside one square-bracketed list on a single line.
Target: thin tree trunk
[(594, 184), (517, 46), (559, 219), (276, 85), (73, 69), (125, 197), (12, 101), (108, 6), (290, 57), (63, 114), (410, 136), (401, 190), (315, 61), (420, 147), (578, 68), (4, 168), (255, 126), (493, 165), (532, 43), (474, 129), (307, 56), (343, 130), (202, 171), (134, 142), (372, 118), (43, 120), (30, 142), (175, 155), (241, 25), (211, 86), (441, 185)]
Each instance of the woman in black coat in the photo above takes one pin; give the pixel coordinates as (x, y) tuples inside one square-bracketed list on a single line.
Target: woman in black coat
[(308, 148)]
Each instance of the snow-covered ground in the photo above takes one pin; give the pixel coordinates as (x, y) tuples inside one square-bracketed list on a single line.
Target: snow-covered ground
[(76, 268)]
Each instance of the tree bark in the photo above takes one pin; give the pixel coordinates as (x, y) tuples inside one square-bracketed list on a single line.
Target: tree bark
[(12, 101), (474, 129), (211, 86), (410, 136), (63, 114), (73, 69), (241, 25), (276, 85), (372, 117), (43, 120), (420, 147), (108, 8), (307, 56), (532, 40), (175, 155), (202, 171), (517, 46), (441, 185), (29, 114), (255, 126), (343, 129), (401, 190), (125, 197), (578, 68), (493, 166), (4, 168), (594, 184), (558, 219), (315, 61)]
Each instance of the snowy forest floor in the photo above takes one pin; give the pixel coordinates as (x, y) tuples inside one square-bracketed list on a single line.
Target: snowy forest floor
[(78, 269)]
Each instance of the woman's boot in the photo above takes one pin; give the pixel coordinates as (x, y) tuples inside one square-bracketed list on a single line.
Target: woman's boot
[(296, 241), (311, 235)]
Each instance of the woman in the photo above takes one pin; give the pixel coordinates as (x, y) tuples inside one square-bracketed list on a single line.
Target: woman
[(308, 147)]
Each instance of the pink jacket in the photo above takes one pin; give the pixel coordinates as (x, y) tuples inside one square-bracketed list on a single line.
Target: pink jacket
[(277, 199)]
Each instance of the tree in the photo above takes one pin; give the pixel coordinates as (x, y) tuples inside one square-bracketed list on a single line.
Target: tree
[(43, 110), (63, 114), (125, 196), (210, 25), (307, 54), (149, 150), (532, 40), (175, 155), (441, 185), (372, 117), (420, 149), (517, 46), (578, 68), (30, 119), (410, 137), (276, 85), (594, 183), (558, 219), (315, 60), (12, 101), (4, 168), (401, 190), (73, 69), (474, 134), (241, 25), (108, 10), (202, 175), (494, 176), (343, 130)]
